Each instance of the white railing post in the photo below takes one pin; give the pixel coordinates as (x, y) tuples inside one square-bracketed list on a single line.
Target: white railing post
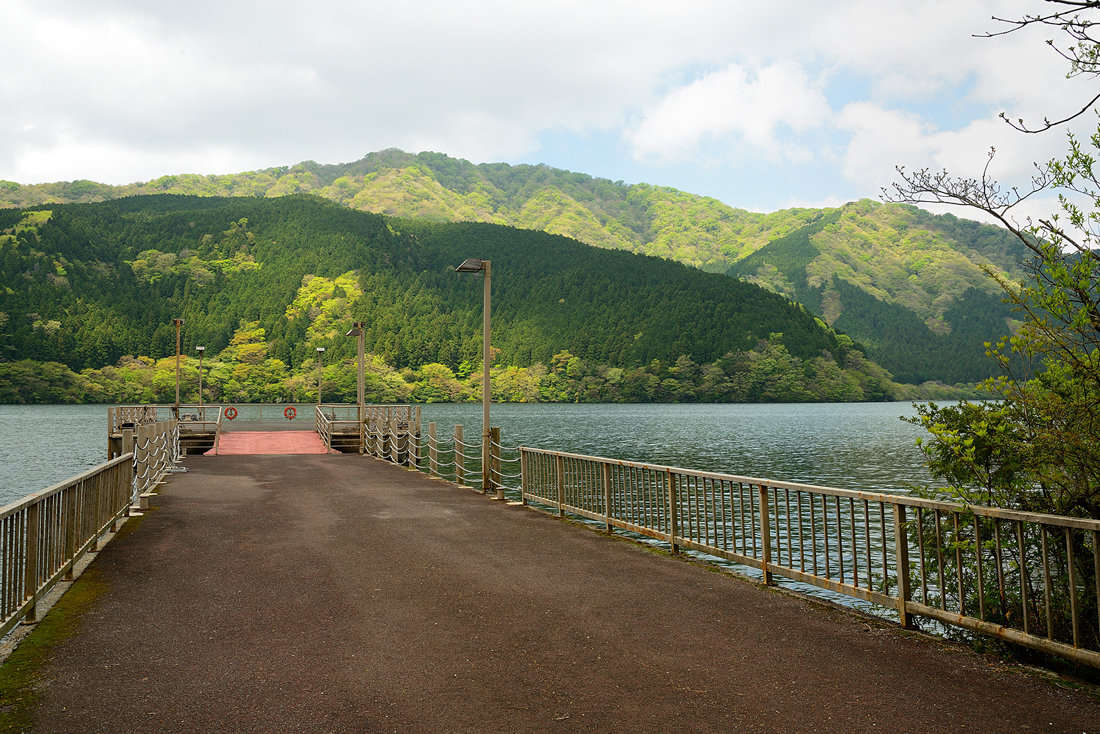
[(460, 458), (433, 452), (495, 480)]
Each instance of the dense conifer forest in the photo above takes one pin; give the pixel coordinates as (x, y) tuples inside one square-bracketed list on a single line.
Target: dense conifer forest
[(88, 292)]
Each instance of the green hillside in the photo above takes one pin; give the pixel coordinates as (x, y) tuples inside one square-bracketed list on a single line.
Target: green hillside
[(652, 220), (915, 294), (917, 268), (262, 282)]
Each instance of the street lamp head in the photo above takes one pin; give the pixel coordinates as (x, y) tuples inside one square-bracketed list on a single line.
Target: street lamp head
[(200, 350), (177, 322), (470, 265), (355, 331), (320, 349)]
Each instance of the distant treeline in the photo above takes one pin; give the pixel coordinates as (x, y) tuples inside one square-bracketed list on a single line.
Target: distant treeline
[(768, 373)]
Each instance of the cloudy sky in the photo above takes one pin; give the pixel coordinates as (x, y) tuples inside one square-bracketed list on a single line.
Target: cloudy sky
[(763, 105)]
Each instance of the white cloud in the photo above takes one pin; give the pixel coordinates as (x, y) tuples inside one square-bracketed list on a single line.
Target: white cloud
[(831, 95), (751, 109)]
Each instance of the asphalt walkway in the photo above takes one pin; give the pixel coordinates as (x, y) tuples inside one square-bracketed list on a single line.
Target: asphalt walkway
[(341, 594)]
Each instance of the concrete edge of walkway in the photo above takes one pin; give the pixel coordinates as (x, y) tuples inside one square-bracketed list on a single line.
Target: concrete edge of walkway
[(23, 630)]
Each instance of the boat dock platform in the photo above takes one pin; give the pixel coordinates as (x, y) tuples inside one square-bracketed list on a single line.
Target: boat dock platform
[(342, 593)]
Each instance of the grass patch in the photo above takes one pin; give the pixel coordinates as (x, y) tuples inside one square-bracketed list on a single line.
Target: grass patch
[(20, 673)]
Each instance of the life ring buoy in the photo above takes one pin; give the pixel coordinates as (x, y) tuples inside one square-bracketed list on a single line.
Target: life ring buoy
[(290, 412), (230, 412)]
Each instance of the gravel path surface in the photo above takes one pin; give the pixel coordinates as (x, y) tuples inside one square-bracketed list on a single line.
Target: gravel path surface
[(341, 594)]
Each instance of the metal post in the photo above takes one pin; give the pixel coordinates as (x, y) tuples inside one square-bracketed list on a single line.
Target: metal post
[(561, 484), (765, 536), (673, 513), (202, 352), (31, 576), (460, 460), (486, 392), (433, 452), (901, 545), (361, 385), (497, 484), (524, 457), (607, 496), (176, 408)]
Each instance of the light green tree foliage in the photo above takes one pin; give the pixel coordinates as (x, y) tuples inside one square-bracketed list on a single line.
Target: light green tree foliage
[(324, 302), (1040, 448)]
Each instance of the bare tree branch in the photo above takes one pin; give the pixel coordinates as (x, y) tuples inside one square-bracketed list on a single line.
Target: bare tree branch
[(1082, 52)]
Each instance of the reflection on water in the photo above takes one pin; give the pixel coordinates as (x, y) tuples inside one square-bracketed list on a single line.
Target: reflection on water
[(41, 445), (861, 446)]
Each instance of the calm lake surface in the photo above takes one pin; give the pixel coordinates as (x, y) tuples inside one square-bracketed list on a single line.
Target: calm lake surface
[(863, 446), (860, 446)]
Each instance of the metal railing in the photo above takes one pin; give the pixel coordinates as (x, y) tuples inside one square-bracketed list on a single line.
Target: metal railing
[(156, 451), (1016, 576), (336, 419), (381, 431), (44, 535)]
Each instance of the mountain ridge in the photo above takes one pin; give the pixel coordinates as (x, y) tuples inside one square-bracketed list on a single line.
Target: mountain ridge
[(900, 256)]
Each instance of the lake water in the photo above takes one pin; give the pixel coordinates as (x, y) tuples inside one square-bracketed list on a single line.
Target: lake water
[(860, 446)]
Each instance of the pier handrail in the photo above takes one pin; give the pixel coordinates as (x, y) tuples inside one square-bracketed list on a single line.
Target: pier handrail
[(156, 450), (44, 535), (877, 547)]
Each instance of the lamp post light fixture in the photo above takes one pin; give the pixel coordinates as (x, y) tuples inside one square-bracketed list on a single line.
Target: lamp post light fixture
[(201, 351), (357, 331), (474, 265), (176, 408), (320, 351)]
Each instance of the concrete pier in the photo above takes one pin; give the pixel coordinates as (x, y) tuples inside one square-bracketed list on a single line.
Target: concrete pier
[(338, 593)]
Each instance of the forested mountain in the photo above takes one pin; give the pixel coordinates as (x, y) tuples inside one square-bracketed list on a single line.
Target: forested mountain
[(262, 282), (915, 295), (906, 283), (653, 220)]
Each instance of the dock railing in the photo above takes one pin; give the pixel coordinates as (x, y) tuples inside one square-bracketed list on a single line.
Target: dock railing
[(156, 451), (1025, 578), (44, 535), (335, 420), (460, 461)]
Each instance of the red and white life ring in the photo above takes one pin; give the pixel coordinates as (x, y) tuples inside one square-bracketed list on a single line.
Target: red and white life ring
[(230, 412), (290, 412)]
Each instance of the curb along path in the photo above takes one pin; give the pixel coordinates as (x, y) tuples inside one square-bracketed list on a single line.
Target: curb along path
[(341, 594)]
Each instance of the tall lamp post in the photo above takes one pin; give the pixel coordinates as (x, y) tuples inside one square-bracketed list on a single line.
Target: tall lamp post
[(201, 351), (176, 408), (473, 265), (320, 351), (357, 331)]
